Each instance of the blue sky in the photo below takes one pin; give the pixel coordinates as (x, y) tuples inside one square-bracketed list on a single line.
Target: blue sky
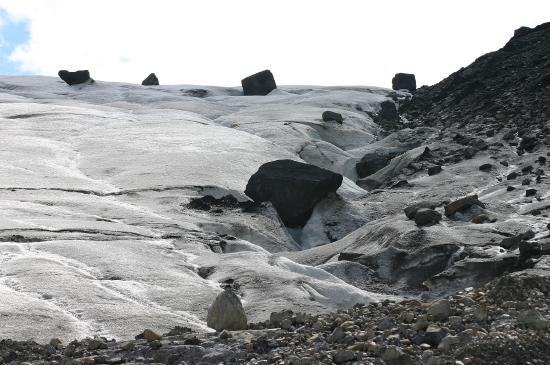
[(12, 34)]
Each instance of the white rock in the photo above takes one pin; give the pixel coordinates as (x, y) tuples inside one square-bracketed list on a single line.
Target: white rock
[(227, 313)]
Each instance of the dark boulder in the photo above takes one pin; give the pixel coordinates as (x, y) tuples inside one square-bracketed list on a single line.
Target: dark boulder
[(528, 143), (328, 116), (292, 187), (411, 210), (74, 78), (425, 216), (486, 167), (261, 83), (388, 111), (151, 80), (434, 170), (371, 163), (462, 204), (404, 81)]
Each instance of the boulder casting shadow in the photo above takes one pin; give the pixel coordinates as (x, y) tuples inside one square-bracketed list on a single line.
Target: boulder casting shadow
[(293, 188)]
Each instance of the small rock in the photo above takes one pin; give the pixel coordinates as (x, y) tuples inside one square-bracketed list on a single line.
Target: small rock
[(440, 310), (56, 343), (526, 181), (434, 335), (447, 342), (343, 356), (149, 335), (332, 116), (426, 216), (481, 218), (512, 176), (394, 355), (411, 210), (530, 192), (486, 167), (434, 170), (225, 334), (462, 205)]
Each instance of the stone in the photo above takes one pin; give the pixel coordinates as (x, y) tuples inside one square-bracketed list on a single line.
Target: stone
[(434, 170), (225, 334), (447, 342), (530, 192), (371, 163), (421, 324), (514, 241), (150, 80), (96, 344), (526, 181), (481, 218), (440, 310), (529, 249), (294, 188), (337, 335), (434, 335), (404, 81), (532, 319), (149, 335), (261, 83), (342, 356), (76, 77), (512, 176), (56, 343), (332, 116), (486, 167), (411, 210), (394, 355), (388, 111), (426, 216), (227, 313), (462, 204), (528, 143)]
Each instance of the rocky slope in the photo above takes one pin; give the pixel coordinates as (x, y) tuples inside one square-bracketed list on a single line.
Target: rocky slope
[(421, 237)]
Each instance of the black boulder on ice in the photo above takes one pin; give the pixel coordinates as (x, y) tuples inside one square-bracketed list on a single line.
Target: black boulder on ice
[(74, 78), (293, 188), (151, 80), (261, 83), (403, 81)]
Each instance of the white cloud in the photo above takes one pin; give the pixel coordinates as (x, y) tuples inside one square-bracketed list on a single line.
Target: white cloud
[(218, 42)]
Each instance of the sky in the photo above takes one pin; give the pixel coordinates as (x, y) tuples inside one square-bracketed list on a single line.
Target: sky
[(219, 42)]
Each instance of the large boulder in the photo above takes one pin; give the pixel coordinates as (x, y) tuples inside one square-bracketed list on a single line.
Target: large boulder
[(329, 116), (261, 83), (292, 187), (76, 77), (371, 163), (402, 81), (150, 80), (388, 111), (227, 313)]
